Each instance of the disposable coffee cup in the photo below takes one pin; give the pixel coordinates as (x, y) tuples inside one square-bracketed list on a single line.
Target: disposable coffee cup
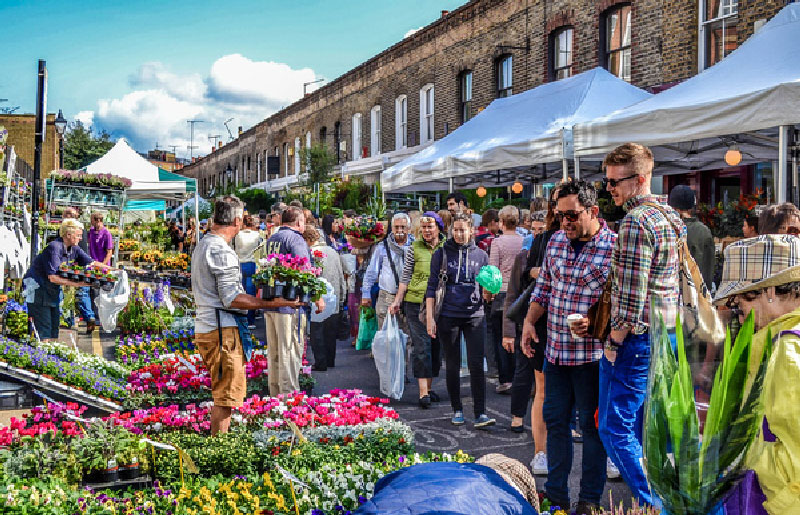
[(571, 319)]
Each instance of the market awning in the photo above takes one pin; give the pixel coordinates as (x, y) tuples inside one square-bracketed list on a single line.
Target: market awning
[(512, 134), (740, 100)]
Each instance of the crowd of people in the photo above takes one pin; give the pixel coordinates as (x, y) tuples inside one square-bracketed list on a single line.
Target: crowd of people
[(556, 260)]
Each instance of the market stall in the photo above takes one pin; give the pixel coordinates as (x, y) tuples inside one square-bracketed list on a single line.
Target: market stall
[(501, 143), (746, 103)]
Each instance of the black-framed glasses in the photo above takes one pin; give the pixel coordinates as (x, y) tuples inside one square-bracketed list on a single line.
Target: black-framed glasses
[(615, 182), (571, 216)]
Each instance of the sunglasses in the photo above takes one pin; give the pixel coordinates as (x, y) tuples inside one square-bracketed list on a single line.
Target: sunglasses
[(615, 182), (571, 216)]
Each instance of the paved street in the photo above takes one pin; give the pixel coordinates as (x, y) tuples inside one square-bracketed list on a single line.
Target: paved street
[(355, 369)]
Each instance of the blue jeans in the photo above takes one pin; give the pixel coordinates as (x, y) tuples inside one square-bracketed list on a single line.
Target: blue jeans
[(623, 388), (565, 387), (248, 269), (84, 303)]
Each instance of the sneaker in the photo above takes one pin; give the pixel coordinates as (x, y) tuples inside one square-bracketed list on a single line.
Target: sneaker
[(484, 421), (539, 464), (612, 472), (425, 402), (90, 325), (503, 388), (587, 508), (251, 326), (458, 418), (492, 374)]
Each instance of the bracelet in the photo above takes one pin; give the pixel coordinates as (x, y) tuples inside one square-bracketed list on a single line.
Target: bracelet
[(611, 345)]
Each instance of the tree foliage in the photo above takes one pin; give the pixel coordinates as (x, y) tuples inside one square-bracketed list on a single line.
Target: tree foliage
[(82, 146), (319, 163)]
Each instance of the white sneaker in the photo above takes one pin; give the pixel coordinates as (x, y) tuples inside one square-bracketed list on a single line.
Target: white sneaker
[(539, 464), (612, 472)]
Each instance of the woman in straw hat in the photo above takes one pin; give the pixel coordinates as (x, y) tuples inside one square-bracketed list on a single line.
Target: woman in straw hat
[(762, 274)]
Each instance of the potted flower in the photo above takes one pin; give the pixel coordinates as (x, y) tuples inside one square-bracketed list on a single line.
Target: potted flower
[(63, 271), (96, 453), (126, 453)]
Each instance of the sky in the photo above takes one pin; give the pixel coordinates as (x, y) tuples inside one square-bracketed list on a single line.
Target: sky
[(140, 69)]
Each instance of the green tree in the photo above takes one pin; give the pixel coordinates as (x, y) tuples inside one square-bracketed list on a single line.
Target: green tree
[(319, 164), (82, 146)]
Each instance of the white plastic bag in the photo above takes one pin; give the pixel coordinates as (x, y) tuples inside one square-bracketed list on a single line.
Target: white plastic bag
[(330, 303), (110, 303), (389, 350)]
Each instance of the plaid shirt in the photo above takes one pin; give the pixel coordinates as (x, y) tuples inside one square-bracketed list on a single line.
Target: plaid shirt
[(570, 284), (645, 265)]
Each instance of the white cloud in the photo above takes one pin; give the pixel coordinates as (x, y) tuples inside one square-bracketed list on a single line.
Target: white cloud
[(161, 102), (412, 32), (85, 117)]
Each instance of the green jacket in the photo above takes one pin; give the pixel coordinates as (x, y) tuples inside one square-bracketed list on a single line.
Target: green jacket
[(422, 253)]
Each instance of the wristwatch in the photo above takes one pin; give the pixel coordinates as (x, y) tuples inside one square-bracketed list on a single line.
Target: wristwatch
[(611, 345)]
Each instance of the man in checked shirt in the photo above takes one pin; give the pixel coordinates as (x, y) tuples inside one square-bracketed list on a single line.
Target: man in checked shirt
[(571, 279), (644, 271)]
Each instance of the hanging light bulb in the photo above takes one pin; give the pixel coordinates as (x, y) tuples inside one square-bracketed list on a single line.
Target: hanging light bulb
[(517, 187), (733, 156), (481, 191)]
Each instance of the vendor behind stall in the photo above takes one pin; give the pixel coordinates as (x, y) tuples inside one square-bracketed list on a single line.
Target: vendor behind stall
[(44, 287)]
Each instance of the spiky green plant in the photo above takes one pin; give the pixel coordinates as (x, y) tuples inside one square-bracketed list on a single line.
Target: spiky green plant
[(688, 474)]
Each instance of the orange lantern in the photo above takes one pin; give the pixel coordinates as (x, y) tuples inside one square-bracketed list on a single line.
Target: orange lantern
[(517, 187), (733, 156), (481, 191)]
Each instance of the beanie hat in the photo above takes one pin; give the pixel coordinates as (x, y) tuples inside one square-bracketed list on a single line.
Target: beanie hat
[(682, 198)]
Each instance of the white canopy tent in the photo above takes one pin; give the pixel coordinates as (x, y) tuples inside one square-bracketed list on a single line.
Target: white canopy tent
[(512, 134), (748, 99)]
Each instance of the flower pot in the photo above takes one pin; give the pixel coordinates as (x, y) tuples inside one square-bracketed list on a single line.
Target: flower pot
[(63, 273), (102, 476), (129, 472), (290, 292), (75, 276), (87, 279), (96, 283), (305, 297), (267, 291), (279, 287), (107, 286)]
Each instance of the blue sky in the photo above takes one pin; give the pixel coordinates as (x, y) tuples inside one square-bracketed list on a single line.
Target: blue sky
[(141, 68)]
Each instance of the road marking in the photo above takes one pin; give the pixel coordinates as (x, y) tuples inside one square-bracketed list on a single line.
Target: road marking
[(97, 347)]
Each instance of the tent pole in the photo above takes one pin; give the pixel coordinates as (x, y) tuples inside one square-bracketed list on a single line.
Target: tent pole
[(196, 213), (564, 170), (450, 186), (577, 168), (780, 180)]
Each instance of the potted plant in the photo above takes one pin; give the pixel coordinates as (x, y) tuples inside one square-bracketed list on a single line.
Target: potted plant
[(96, 452), (63, 271), (126, 453)]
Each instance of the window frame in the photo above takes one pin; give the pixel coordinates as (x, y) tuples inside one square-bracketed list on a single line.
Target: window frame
[(623, 50), (356, 141), (465, 79), (555, 36), (297, 155), (375, 130), (401, 122), (287, 159), (504, 90), (427, 99), (706, 28)]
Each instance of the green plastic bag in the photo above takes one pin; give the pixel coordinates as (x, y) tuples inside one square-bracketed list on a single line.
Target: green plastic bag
[(367, 327), (490, 278)]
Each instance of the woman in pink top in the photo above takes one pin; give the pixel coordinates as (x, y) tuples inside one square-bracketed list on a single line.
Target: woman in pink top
[(502, 253)]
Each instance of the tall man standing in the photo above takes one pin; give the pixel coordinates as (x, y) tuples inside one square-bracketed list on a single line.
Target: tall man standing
[(220, 297), (386, 265), (286, 326), (644, 270), (575, 269)]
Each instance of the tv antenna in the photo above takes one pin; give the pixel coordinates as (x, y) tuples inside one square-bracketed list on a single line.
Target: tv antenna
[(216, 138), (173, 147), (191, 137), (7, 110), (230, 134)]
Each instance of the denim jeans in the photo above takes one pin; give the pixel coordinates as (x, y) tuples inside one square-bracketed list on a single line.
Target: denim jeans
[(565, 387), (623, 388), (83, 302), (248, 269)]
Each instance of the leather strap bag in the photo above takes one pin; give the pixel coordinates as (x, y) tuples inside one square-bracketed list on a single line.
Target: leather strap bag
[(440, 291), (518, 310), (599, 314)]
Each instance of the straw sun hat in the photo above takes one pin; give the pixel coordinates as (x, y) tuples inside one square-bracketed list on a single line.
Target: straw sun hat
[(758, 263)]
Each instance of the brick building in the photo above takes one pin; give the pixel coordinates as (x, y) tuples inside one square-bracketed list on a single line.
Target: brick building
[(21, 129), (429, 83)]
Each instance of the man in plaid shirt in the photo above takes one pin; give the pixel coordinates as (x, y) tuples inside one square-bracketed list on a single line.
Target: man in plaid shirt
[(574, 271), (644, 269)]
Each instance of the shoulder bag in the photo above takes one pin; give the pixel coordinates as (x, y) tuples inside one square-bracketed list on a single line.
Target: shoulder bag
[(439, 297)]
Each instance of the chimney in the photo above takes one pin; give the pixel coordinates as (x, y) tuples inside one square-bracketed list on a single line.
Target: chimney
[(194, 160), (212, 149), (445, 13), (219, 143), (240, 130)]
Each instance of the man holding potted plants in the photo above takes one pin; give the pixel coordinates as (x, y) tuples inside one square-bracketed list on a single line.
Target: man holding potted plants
[(221, 322), (286, 326)]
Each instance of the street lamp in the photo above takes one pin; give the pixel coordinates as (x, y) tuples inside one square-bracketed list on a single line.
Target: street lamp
[(229, 173), (61, 128), (306, 84)]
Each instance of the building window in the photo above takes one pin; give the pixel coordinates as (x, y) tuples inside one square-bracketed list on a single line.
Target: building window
[(323, 136), (375, 125), (505, 77), (617, 41), (401, 122), (466, 96), (337, 139), (287, 159), (426, 107), (718, 30), (561, 56), (356, 136), (296, 156)]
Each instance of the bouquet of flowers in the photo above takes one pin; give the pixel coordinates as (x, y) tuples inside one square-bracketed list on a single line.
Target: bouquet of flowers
[(363, 231)]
